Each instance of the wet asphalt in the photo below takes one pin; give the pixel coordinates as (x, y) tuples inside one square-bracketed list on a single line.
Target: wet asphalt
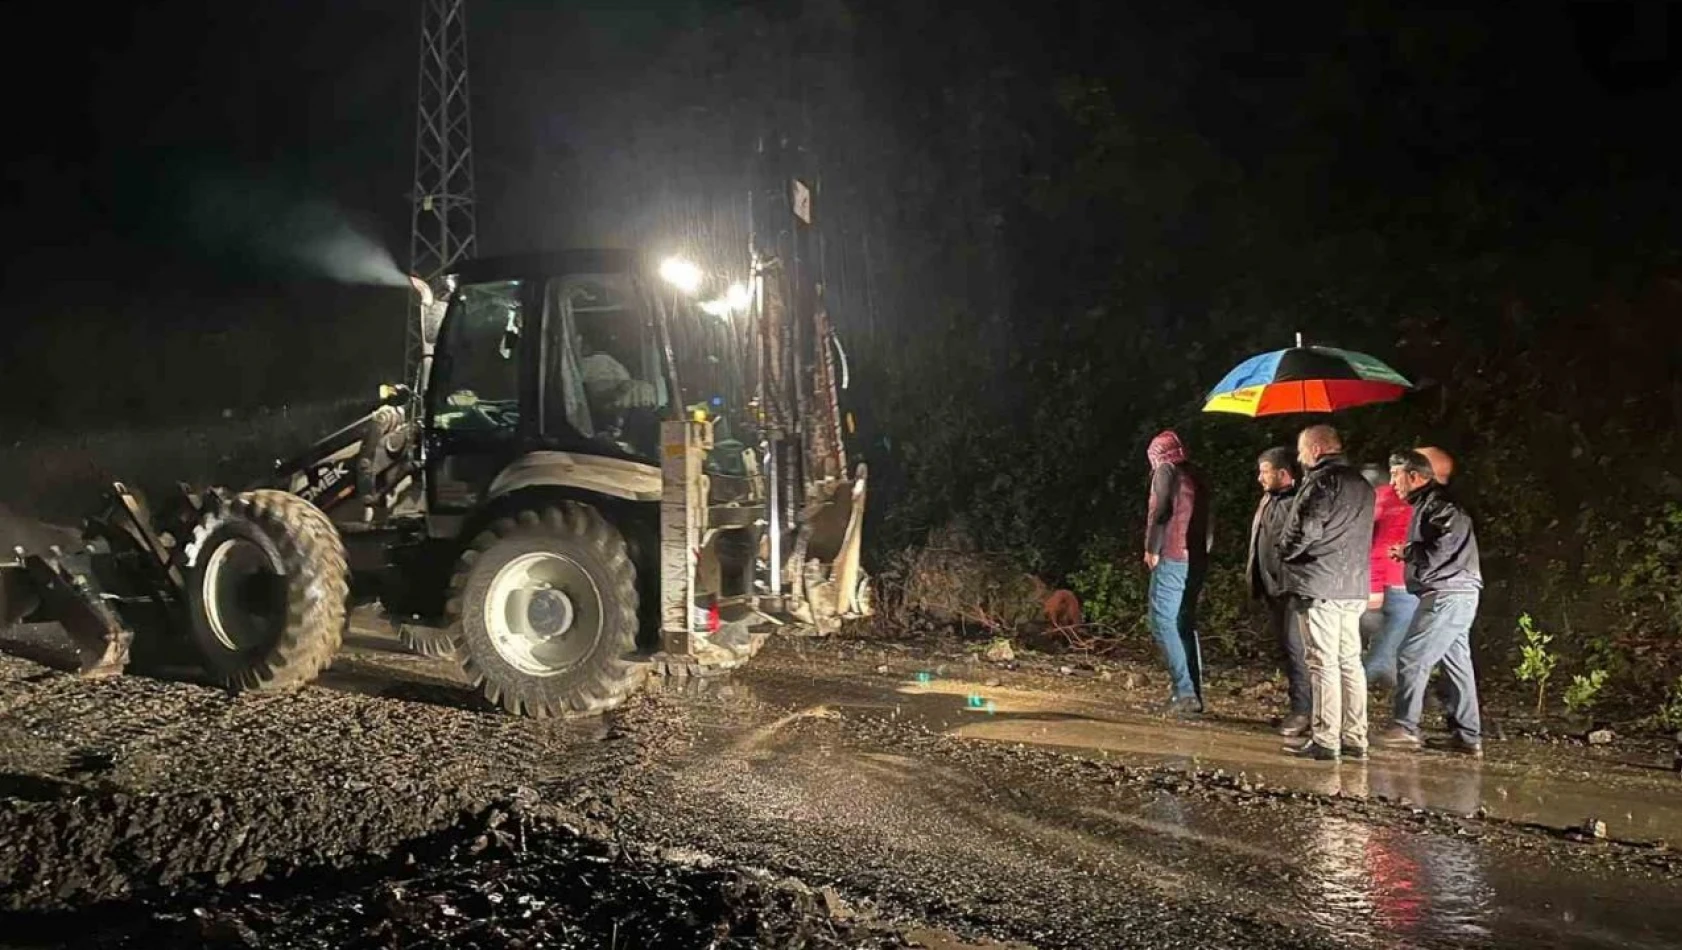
[(923, 792)]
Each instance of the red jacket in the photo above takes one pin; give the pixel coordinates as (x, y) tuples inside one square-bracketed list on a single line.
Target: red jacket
[(1390, 517)]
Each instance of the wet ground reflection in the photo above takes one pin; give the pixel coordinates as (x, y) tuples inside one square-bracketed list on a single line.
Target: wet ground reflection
[(1368, 883), (1452, 784)]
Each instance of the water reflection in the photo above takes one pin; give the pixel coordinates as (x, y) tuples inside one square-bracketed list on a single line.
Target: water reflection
[(1410, 885)]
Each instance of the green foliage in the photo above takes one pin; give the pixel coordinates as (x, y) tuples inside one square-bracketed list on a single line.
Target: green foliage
[(1142, 258), (1581, 692), (1111, 586), (1670, 711), (1604, 653), (1224, 614), (1651, 580), (1536, 663)]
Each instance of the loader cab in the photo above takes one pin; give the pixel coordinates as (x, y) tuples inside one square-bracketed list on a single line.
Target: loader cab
[(548, 353)]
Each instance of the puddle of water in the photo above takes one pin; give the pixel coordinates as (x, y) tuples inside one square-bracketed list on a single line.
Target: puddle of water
[(1364, 884), (1455, 785)]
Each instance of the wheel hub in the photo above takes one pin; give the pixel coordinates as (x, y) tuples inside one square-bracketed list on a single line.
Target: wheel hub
[(244, 595), (543, 613), (550, 613)]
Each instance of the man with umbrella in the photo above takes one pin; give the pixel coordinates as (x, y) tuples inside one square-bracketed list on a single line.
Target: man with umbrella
[(1324, 548), (1327, 538), (1276, 473)]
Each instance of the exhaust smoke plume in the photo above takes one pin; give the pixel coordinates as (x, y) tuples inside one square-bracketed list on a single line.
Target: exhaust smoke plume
[(283, 231)]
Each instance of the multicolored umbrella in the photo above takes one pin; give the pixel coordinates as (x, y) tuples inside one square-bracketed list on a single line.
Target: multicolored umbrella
[(1305, 379)]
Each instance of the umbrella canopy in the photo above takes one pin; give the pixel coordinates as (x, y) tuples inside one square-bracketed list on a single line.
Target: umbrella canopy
[(1305, 379)]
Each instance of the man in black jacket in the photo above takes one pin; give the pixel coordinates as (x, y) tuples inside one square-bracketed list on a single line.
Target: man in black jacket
[(1441, 565), (1324, 547), (1276, 473)]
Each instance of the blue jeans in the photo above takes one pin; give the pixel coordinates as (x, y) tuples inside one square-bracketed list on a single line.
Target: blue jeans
[(1441, 632), (1384, 630), (1173, 595)]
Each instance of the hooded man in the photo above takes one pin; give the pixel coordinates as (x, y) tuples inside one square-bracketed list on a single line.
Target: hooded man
[(1178, 536)]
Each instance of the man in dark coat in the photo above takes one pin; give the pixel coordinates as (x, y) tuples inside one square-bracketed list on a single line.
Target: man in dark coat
[(1324, 548), (1276, 473), (1441, 564), (1178, 535)]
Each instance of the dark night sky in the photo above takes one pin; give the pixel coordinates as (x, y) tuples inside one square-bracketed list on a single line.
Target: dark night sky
[(153, 147), (312, 100)]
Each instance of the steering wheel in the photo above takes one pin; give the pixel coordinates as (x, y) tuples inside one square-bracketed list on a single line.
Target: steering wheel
[(490, 413)]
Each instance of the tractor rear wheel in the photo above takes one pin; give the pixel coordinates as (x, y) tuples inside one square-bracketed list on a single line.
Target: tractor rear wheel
[(267, 586), (543, 613)]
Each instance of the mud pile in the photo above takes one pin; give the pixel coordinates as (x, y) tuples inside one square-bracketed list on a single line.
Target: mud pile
[(504, 879), (123, 788)]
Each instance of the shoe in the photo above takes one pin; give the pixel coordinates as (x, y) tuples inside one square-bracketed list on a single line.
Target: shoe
[(1296, 724), (1185, 707), (1356, 752), (1309, 749), (1396, 737), (1460, 746)]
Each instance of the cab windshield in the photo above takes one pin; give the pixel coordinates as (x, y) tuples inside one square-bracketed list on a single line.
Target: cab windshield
[(475, 382)]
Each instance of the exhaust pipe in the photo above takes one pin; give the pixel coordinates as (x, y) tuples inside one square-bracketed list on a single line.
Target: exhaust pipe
[(421, 288)]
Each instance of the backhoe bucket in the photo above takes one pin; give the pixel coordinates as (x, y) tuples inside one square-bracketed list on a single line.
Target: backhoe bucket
[(831, 586)]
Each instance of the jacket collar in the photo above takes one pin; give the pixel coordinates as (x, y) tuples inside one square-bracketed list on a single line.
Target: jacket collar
[(1425, 494), (1327, 461)]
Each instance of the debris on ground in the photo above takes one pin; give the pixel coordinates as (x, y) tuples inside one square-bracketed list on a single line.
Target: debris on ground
[(1000, 651), (1601, 737)]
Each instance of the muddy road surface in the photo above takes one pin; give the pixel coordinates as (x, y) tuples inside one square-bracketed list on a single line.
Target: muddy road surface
[(828, 795)]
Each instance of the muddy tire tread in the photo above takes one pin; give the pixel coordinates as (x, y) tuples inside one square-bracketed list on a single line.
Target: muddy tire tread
[(426, 641), (616, 676), (316, 613)]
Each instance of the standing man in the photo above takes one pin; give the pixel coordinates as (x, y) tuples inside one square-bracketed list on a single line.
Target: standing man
[(1324, 549), (1276, 473), (1440, 560), (1178, 536), (1389, 607)]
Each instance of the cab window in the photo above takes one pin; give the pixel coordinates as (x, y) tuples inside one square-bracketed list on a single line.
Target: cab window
[(475, 373), (604, 374)]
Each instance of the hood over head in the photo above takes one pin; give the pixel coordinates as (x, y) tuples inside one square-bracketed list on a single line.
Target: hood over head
[(1166, 449)]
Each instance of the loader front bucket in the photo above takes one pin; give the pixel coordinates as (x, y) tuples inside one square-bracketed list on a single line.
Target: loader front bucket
[(60, 588), (18, 599)]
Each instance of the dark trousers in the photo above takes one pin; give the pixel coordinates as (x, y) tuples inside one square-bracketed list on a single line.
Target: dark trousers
[(1285, 624), (1440, 634)]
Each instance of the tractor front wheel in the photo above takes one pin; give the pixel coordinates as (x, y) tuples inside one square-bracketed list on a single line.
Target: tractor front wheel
[(267, 586), (543, 613)]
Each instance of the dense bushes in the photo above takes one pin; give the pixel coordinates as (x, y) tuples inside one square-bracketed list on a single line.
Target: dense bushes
[(1151, 243)]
